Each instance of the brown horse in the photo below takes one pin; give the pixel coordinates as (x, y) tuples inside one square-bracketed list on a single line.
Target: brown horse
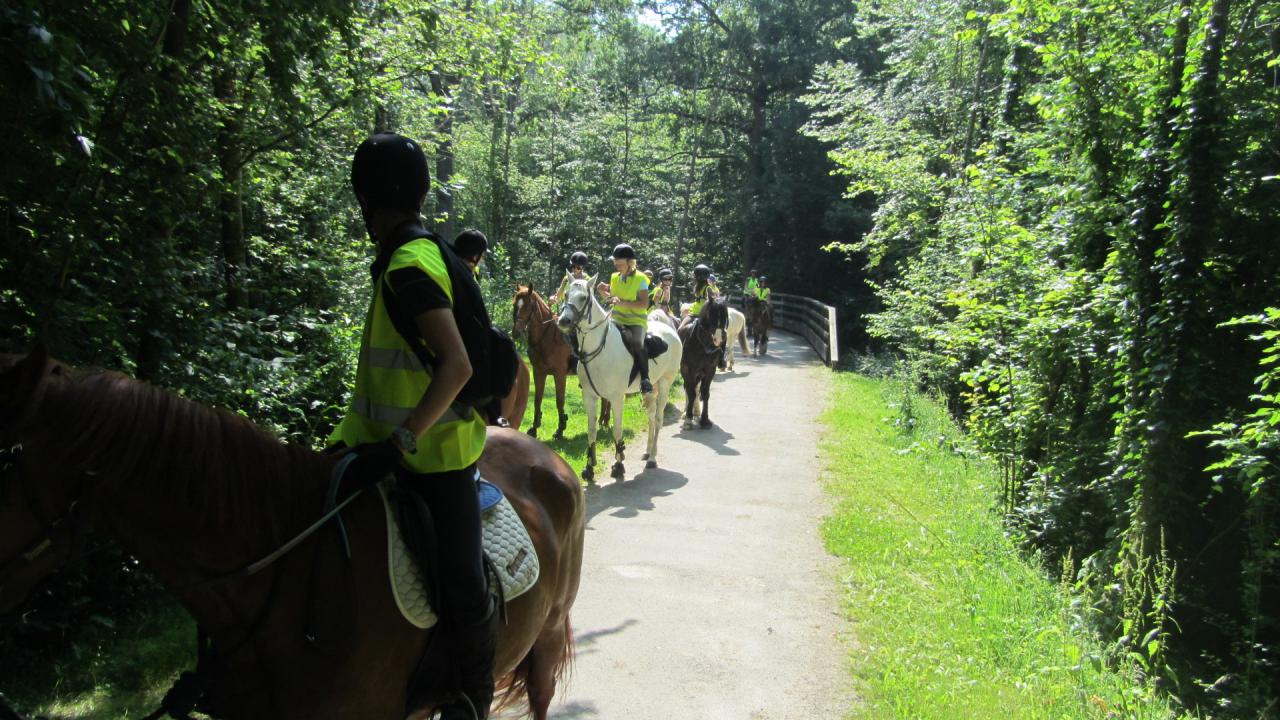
[(549, 352), (759, 322), (704, 342), (197, 493), (517, 401)]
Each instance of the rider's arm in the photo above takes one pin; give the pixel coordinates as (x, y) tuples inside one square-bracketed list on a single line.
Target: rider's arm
[(430, 309), (452, 371)]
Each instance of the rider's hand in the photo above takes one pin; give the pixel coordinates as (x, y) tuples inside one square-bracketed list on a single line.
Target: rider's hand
[(373, 462), (603, 288), (615, 300)]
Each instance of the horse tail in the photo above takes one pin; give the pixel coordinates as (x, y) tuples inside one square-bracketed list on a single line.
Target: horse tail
[(742, 338), (510, 689)]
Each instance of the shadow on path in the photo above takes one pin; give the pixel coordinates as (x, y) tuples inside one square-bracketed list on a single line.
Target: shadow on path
[(713, 437), (628, 498)]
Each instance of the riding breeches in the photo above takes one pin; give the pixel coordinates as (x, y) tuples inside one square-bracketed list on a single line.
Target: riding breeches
[(633, 336), (455, 511)]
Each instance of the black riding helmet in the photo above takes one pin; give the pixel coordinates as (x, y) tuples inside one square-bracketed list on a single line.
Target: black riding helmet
[(701, 272), (764, 279), (624, 252), (665, 274), (390, 171), (578, 259)]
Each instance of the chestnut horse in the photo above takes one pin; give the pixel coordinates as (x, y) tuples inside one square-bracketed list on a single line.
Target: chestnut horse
[(704, 340), (197, 494), (549, 352)]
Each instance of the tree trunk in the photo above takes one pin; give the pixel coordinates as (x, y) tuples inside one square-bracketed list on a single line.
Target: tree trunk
[(235, 252), (442, 86)]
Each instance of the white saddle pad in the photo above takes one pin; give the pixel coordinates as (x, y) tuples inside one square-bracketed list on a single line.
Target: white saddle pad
[(505, 541)]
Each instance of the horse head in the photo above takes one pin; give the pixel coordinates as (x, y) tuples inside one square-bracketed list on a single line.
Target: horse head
[(40, 517), (715, 316), (580, 307), (522, 310)]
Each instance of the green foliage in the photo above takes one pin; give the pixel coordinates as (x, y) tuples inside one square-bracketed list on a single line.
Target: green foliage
[(952, 621), (1069, 206)]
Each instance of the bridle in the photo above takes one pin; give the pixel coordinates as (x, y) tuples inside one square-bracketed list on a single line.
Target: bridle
[(525, 314), (577, 317), (74, 521), (703, 337)]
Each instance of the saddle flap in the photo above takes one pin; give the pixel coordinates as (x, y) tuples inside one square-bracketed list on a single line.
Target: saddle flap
[(654, 346)]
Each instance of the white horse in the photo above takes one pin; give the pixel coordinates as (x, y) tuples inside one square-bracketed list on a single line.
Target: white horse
[(604, 371), (659, 316), (737, 328)]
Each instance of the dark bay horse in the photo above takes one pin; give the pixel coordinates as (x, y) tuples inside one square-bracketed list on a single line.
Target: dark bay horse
[(759, 322), (548, 351), (704, 339), (197, 494)]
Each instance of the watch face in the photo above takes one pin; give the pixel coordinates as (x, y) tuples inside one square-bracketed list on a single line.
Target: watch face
[(404, 438)]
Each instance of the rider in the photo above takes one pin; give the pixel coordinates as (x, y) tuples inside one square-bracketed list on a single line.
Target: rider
[(703, 290), (753, 283), (471, 246), (763, 292), (404, 419), (577, 271), (661, 296), (628, 292)]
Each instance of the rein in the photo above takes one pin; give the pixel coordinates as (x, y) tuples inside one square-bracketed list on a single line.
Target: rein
[(583, 357)]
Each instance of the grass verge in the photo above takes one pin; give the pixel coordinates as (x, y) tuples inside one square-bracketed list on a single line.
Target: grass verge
[(951, 620)]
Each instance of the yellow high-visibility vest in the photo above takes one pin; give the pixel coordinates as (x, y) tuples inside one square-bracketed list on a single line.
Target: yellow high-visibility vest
[(628, 289), (390, 381)]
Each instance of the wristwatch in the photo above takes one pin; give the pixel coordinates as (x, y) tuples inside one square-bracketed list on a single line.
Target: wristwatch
[(404, 439)]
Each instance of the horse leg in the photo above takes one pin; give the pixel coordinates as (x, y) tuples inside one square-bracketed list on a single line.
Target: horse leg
[(656, 409), (619, 447), (705, 422), (689, 400), (564, 417), (539, 384), (546, 662), (589, 472)]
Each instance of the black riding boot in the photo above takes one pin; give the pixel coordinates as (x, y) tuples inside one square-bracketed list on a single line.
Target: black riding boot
[(641, 360), (474, 645)]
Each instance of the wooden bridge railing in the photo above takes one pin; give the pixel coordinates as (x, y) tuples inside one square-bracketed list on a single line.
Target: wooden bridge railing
[(813, 320)]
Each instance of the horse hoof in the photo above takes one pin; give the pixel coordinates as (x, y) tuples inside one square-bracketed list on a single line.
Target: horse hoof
[(559, 435), (618, 471), (651, 464), (589, 474), (705, 423), (533, 432), (644, 456)]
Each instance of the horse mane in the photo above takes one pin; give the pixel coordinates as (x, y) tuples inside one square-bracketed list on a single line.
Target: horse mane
[(128, 432)]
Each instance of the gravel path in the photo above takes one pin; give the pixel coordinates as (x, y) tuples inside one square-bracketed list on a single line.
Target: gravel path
[(706, 592)]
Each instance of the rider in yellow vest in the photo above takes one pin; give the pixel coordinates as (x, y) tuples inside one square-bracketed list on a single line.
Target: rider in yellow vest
[(661, 296), (703, 290), (577, 271), (753, 283), (762, 291), (628, 292), (403, 417)]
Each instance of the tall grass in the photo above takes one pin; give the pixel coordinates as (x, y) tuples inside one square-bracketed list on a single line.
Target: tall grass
[(950, 620)]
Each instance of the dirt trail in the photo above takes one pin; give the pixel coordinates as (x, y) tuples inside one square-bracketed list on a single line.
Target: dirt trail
[(706, 592)]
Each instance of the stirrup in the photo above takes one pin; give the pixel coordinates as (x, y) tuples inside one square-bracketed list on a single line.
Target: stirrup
[(456, 703)]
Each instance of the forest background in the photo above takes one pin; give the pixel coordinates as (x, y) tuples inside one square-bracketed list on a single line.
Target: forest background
[(1061, 218)]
